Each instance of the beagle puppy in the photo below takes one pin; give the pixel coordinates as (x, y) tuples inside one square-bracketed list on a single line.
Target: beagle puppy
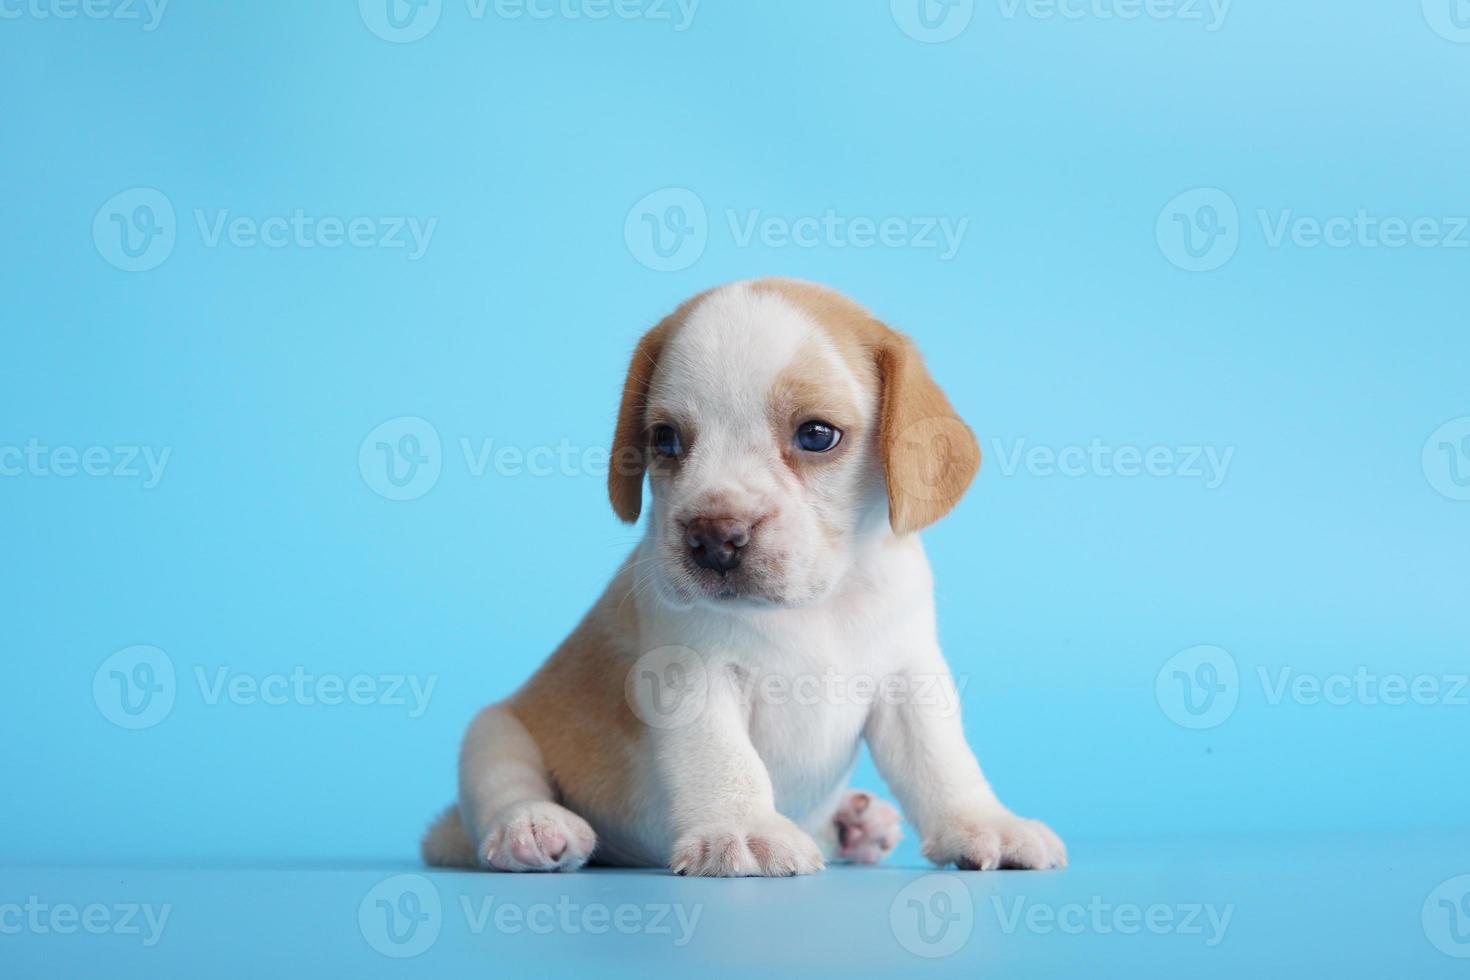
[(706, 713)]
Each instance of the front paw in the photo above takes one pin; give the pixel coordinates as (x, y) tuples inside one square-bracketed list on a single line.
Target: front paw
[(769, 846), (984, 840)]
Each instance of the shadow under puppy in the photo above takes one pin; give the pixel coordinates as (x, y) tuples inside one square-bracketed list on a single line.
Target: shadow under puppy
[(793, 445)]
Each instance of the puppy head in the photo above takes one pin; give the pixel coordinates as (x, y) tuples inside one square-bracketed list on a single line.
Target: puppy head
[(782, 429)]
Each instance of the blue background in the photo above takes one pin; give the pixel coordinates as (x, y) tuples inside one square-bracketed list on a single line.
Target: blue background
[(1062, 319)]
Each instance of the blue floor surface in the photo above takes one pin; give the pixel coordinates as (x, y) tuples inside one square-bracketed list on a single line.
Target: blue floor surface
[(1390, 905)]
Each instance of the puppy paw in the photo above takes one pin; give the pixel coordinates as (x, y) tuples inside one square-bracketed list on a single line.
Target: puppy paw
[(769, 846), (867, 828), (987, 839), (536, 836)]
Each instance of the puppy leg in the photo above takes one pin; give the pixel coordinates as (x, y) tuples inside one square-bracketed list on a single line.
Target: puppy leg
[(725, 821), (507, 818), (920, 748)]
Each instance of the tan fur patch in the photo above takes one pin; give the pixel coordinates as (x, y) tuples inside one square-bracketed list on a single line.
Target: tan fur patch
[(629, 460), (929, 455), (576, 712)]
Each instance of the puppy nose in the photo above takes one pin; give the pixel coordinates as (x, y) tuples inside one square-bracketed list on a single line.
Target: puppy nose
[(716, 543)]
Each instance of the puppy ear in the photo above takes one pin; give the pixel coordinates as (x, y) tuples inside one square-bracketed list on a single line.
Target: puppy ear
[(629, 459), (929, 454)]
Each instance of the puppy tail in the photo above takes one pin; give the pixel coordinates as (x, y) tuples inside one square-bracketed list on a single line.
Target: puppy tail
[(446, 844)]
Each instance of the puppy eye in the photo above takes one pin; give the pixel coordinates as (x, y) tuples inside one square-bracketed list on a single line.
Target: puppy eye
[(666, 441), (818, 436)]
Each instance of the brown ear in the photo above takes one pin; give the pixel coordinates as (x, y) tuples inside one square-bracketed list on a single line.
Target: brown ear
[(629, 460), (929, 454)]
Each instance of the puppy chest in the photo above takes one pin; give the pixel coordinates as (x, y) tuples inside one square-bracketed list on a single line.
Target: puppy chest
[(808, 747)]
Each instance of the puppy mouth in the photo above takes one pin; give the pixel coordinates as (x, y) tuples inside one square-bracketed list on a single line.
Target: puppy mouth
[(726, 586), (688, 584)]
